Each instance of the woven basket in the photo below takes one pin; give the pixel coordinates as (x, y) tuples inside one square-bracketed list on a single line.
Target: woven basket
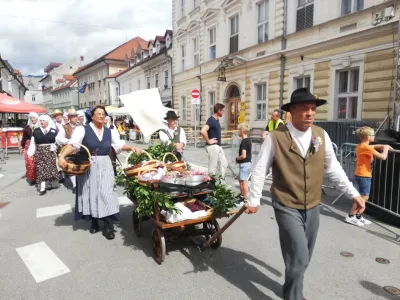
[(178, 164), (75, 169), (144, 182), (134, 171)]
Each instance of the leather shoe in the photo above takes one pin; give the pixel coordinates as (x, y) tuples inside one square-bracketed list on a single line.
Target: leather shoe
[(109, 232), (74, 190), (94, 228), (42, 192)]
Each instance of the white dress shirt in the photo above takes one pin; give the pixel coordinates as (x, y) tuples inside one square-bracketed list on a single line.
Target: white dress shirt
[(61, 138), (165, 139), (79, 134), (32, 145), (333, 169)]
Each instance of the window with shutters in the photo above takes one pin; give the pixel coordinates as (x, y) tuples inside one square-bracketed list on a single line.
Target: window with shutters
[(305, 14), (148, 82), (183, 110), (347, 93), (196, 55), (261, 102), (166, 80), (234, 34), (211, 103), (183, 55), (213, 42), (263, 20), (182, 8), (351, 6), (156, 80)]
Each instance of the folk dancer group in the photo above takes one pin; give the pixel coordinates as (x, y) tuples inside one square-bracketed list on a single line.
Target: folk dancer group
[(96, 197)]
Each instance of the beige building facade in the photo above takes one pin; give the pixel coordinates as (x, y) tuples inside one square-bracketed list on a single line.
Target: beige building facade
[(343, 51)]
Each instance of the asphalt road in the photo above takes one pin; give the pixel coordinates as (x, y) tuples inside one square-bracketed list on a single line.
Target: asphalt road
[(45, 254)]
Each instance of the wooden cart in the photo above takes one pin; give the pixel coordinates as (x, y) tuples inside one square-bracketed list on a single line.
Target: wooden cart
[(163, 232)]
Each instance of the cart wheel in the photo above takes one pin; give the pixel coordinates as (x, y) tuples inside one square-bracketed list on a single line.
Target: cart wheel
[(137, 223), (213, 227), (159, 248)]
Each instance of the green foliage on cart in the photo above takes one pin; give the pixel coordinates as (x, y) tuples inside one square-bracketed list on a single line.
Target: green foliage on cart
[(145, 196), (156, 151), (223, 199)]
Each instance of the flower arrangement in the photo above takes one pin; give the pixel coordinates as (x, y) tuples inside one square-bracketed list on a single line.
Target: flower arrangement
[(206, 176), (316, 143)]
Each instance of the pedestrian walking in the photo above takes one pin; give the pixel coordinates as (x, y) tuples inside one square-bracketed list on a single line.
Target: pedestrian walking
[(96, 196), (211, 133), (365, 154), (33, 123), (244, 160), (299, 153), (174, 134), (65, 134), (43, 147)]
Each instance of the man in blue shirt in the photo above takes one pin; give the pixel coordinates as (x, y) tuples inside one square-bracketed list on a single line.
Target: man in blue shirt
[(211, 133)]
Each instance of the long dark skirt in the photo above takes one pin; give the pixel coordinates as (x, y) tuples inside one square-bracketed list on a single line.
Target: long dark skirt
[(46, 166)]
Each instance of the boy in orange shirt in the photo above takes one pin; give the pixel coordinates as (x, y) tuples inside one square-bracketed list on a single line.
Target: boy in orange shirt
[(364, 156)]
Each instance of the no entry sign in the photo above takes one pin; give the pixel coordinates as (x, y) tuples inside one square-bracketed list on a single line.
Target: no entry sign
[(195, 94)]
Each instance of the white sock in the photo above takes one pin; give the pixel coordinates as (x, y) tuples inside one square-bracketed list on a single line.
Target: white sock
[(73, 180), (43, 186)]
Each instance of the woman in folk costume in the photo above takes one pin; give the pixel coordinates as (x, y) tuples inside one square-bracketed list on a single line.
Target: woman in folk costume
[(96, 197), (33, 123), (44, 148), (64, 135)]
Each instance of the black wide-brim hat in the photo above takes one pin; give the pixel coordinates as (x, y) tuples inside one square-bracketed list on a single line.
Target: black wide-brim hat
[(171, 115), (300, 96)]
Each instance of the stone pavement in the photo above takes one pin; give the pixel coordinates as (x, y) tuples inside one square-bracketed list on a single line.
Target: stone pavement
[(44, 254)]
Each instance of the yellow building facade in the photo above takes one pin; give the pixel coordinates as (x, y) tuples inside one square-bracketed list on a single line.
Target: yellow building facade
[(349, 61)]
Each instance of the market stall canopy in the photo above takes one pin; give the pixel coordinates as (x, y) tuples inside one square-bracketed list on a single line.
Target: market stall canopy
[(120, 111), (12, 105), (146, 109)]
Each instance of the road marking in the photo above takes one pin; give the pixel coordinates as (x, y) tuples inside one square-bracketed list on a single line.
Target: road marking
[(53, 210), (42, 262), (124, 200)]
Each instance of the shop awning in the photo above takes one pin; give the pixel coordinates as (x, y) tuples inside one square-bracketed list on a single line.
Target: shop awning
[(12, 105)]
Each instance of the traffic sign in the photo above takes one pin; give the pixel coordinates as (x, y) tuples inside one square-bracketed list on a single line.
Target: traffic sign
[(196, 101), (195, 94)]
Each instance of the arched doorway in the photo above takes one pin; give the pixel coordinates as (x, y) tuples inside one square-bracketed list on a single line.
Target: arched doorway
[(233, 107)]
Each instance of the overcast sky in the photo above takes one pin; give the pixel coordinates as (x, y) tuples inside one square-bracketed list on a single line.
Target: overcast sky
[(30, 45)]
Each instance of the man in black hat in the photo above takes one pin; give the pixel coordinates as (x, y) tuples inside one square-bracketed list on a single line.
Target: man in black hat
[(173, 133), (299, 153)]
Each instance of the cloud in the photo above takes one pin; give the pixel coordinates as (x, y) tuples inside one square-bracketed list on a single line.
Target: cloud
[(30, 44)]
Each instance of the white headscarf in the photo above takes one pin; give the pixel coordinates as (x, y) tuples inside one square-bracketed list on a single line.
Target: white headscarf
[(33, 115), (49, 122)]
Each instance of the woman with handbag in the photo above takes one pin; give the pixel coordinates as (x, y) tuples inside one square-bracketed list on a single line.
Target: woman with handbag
[(33, 123), (43, 147), (96, 197)]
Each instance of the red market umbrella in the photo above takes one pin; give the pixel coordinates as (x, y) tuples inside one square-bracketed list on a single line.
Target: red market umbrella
[(12, 105)]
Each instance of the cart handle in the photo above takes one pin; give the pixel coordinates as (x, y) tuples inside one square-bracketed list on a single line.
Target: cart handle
[(225, 227)]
